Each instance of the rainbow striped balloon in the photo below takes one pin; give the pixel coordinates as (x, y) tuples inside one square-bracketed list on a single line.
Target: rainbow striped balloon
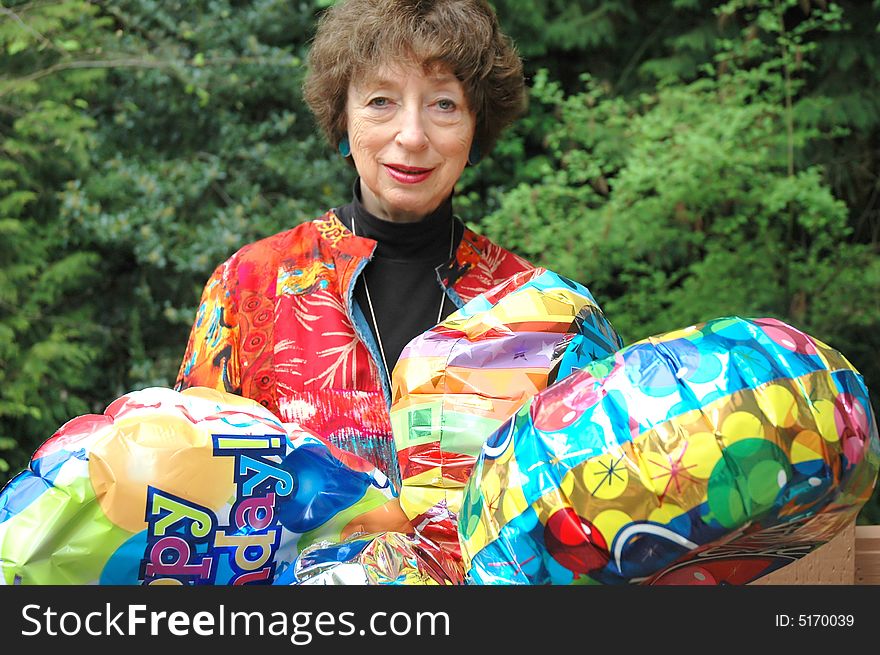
[(457, 383)]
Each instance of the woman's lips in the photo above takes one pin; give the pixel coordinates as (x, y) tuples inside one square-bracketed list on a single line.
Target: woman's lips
[(408, 174)]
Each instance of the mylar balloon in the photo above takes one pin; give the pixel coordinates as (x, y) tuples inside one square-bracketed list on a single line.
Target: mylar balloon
[(710, 455), (197, 487), (388, 558), (455, 384)]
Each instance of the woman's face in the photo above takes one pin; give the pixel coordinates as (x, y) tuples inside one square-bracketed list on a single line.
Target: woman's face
[(410, 133)]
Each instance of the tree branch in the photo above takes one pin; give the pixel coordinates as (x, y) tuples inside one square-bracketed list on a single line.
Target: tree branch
[(141, 63)]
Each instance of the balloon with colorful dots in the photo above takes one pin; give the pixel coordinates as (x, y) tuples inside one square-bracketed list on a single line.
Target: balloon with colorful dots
[(709, 455)]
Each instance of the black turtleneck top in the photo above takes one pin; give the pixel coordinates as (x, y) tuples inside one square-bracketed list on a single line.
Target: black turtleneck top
[(402, 277)]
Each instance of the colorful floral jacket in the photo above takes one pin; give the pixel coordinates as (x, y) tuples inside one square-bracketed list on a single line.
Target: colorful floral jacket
[(277, 323)]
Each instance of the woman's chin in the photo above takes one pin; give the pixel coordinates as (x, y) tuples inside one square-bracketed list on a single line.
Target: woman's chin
[(406, 209)]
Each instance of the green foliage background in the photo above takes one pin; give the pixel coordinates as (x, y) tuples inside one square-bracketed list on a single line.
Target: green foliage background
[(686, 159)]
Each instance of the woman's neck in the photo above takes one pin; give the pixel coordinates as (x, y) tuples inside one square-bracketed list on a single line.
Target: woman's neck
[(387, 212), (427, 240)]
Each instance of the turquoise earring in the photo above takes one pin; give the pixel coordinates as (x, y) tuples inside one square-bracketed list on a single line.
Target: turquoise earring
[(474, 155), (344, 146)]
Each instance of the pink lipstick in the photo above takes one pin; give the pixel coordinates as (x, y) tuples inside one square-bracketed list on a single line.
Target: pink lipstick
[(408, 174)]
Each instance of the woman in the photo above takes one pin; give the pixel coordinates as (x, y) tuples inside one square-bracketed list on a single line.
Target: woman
[(310, 322)]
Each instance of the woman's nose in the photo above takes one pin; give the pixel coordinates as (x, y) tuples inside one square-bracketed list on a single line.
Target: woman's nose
[(411, 133)]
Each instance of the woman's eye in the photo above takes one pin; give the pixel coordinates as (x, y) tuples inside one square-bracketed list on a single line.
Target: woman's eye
[(445, 104), (379, 102)]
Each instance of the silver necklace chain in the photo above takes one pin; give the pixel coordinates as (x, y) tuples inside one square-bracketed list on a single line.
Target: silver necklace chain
[(370, 301)]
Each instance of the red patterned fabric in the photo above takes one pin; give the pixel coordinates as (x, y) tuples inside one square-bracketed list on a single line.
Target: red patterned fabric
[(275, 325)]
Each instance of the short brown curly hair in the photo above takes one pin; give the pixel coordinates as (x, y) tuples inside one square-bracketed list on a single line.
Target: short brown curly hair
[(462, 36)]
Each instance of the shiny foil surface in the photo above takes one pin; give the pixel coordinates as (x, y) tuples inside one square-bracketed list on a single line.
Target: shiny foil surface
[(193, 487), (457, 383), (532, 448), (388, 558), (709, 455)]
